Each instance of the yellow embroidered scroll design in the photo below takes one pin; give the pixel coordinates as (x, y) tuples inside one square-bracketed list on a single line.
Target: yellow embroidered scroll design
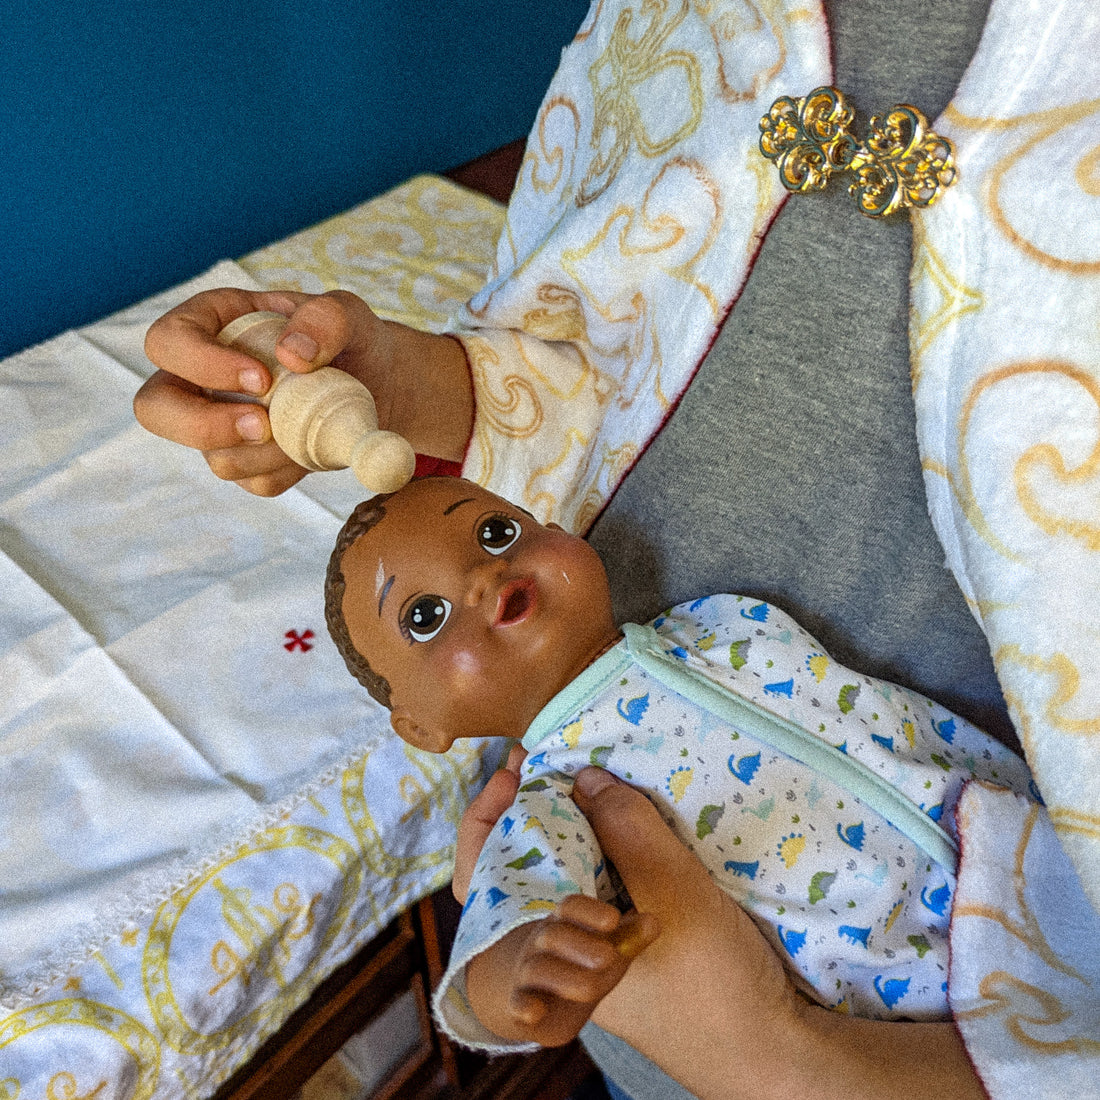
[(252, 1026), (617, 75), (1025, 926), (1067, 684), (1047, 125), (63, 1086), (509, 403), (1009, 995), (265, 933), (116, 1025), (1041, 456), (747, 27), (955, 298), (445, 779)]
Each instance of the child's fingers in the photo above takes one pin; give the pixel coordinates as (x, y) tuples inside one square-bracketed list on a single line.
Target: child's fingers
[(635, 933), (516, 757), (629, 933), (574, 944), (588, 912)]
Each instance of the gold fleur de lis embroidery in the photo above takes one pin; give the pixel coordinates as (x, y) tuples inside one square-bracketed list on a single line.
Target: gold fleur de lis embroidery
[(902, 164)]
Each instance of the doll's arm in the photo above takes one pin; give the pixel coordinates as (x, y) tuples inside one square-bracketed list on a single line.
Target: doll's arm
[(541, 982)]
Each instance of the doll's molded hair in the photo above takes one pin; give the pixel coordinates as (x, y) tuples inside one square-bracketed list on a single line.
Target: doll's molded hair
[(365, 516)]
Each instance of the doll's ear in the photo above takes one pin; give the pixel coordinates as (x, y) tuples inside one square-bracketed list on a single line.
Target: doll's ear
[(417, 736)]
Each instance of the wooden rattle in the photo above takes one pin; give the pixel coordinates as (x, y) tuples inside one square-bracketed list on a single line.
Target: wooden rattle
[(324, 420)]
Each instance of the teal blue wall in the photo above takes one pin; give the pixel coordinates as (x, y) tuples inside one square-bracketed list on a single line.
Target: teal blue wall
[(141, 141)]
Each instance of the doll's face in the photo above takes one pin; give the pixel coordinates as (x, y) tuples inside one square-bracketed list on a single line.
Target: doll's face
[(476, 614)]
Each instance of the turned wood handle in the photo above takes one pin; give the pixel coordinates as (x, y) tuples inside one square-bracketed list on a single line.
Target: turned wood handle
[(324, 420)]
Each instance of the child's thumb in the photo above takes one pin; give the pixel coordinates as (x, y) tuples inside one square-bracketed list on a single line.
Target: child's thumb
[(658, 871)]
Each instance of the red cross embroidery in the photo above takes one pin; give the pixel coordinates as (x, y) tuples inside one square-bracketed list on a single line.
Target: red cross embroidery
[(298, 641)]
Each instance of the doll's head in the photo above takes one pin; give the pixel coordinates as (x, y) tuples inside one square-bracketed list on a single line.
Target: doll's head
[(460, 612)]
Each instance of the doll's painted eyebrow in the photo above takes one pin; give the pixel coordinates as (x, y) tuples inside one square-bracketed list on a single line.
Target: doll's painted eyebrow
[(385, 592), (457, 504)]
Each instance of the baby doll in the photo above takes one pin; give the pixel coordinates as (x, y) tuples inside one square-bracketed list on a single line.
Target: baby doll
[(812, 794)]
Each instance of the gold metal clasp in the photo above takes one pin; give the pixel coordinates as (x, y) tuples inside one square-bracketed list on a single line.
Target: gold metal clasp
[(809, 138), (903, 163)]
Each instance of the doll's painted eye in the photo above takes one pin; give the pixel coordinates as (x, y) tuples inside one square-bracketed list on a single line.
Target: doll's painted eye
[(426, 618), (497, 533)]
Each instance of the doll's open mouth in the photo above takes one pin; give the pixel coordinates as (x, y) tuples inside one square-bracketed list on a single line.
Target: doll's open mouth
[(515, 603)]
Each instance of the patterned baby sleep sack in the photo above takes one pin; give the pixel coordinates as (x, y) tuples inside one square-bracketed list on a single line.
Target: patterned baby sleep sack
[(819, 799)]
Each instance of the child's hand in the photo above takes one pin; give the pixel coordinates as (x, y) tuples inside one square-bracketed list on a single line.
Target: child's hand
[(420, 382), (480, 818), (541, 982)]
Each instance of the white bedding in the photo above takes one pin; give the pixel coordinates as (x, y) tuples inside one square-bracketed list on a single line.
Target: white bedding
[(201, 813)]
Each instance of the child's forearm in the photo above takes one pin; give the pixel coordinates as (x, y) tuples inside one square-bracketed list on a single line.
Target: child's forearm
[(424, 392)]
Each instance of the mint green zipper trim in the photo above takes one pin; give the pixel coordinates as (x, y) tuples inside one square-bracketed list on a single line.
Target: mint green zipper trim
[(791, 739), (592, 681)]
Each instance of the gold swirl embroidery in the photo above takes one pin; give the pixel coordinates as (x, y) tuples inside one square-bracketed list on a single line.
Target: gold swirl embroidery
[(613, 467), (586, 29), (956, 299), (746, 23), (1039, 456), (447, 781), (574, 451), (625, 65), (261, 931), (1067, 681), (482, 445), (1087, 173), (103, 1019), (554, 158), (509, 403), (1047, 124), (412, 792), (1025, 927), (1047, 456), (685, 271), (645, 231), (63, 1086), (1004, 993), (560, 318), (1067, 820), (252, 1027)]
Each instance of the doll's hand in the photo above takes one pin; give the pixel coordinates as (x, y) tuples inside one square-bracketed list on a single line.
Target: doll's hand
[(541, 982), (420, 382)]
